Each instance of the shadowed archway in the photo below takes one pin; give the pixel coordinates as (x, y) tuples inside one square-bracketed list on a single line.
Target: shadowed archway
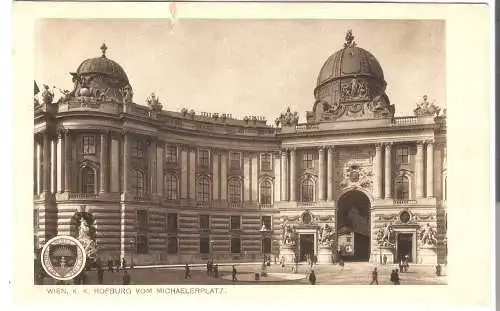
[(353, 226)]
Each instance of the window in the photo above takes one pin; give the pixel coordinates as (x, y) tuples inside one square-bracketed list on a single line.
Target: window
[(234, 187), (204, 221), (88, 144), (137, 150), (203, 158), (171, 154), (142, 246), (171, 187), (307, 191), (204, 245), (138, 182), (402, 188), (171, 223), (142, 219), (235, 160), (402, 155), (88, 180), (265, 192), (172, 245), (202, 191), (235, 245), (266, 245), (265, 162), (35, 219), (308, 160), (235, 222), (265, 223)]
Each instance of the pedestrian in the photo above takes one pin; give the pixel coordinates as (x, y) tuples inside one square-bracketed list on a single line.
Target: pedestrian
[(401, 265), (438, 270), (187, 272), (341, 264), (312, 277), (406, 262), (216, 271), (110, 266), (283, 264), (395, 279), (124, 264), (126, 278), (209, 268), (234, 273), (100, 275), (384, 259), (374, 276)]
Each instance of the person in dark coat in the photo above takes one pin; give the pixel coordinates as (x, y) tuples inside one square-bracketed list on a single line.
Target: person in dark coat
[(100, 275), (110, 266), (124, 263), (395, 277), (209, 268), (216, 271), (374, 276), (438, 270), (234, 273), (312, 277), (384, 259), (187, 272), (126, 278)]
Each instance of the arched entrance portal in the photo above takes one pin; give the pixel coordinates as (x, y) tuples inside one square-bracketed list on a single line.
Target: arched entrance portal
[(353, 226)]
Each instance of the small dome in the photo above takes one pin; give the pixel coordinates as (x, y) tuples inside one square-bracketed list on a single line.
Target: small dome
[(103, 65)]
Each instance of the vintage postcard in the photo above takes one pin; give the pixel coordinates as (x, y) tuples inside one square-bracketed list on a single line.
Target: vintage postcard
[(209, 150)]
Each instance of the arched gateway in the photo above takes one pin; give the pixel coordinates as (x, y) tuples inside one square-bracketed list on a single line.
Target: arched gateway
[(353, 226)]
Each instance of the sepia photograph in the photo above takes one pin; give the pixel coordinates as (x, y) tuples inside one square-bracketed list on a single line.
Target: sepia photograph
[(240, 152)]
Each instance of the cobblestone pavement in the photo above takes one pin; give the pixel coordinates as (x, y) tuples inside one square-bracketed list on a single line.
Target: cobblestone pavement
[(351, 274)]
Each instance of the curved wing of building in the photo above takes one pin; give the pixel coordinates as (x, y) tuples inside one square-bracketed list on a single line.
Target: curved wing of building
[(157, 186)]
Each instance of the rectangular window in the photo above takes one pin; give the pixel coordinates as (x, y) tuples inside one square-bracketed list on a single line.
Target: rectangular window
[(235, 222), (266, 245), (402, 155), (205, 222), (137, 149), (88, 144), (266, 223), (142, 219), (171, 154), (171, 187), (235, 245), (203, 158), (35, 219), (204, 245), (265, 162), (171, 223), (142, 246), (308, 160), (172, 245), (235, 160)]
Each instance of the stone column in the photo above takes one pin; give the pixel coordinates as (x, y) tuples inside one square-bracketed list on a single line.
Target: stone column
[(53, 166), (60, 162), (46, 163), (152, 153), (388, 171), (419, 168), (293, 174), (67, 161), (115, 156), (255, 177), (158, 167), (38, 167), (246, 177), (184, 172), (377, 187), (277, 177), (329, 174), (284, 179), (126, 163), (192, 173), (223, 175), (321, 174), (430, 169), (215, 175), (104, 164)]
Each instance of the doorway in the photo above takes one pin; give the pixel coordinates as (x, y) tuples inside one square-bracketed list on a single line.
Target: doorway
[(353, 216), (306, 246), (405, 246)]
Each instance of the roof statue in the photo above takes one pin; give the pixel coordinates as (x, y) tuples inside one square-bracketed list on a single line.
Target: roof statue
[(154, 105), (426, 109), (349, 39), (288, 118)]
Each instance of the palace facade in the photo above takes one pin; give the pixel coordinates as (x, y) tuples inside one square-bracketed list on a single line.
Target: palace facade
[(158, 186)]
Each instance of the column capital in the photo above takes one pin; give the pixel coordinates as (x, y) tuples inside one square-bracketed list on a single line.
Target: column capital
[(388, 146), (292, 150), (420, 143), (321, 148), (378, 146), (283, 152), (429, 141)]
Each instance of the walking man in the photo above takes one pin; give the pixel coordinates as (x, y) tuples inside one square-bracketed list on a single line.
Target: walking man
[(234, 273), (395, 277), (312, 278), (374, 276), (187, 272)]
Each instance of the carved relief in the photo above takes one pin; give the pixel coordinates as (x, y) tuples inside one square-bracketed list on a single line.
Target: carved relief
[(427, 236), (356, 175), (354, 90)]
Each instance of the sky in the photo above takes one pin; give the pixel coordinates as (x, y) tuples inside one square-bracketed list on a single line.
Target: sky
[(243, 67)]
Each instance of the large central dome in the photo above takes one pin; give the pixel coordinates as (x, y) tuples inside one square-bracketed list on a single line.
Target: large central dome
[(350, 85)]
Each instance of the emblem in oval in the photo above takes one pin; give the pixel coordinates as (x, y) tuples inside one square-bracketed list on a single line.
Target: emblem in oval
[(63, 257)]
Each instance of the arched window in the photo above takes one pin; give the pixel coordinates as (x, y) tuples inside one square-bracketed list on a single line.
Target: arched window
[(88, 180), (203, 189), (138, 182), (171, 187), (266, 192), (307, 191), (234, 189), (402, 188)]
